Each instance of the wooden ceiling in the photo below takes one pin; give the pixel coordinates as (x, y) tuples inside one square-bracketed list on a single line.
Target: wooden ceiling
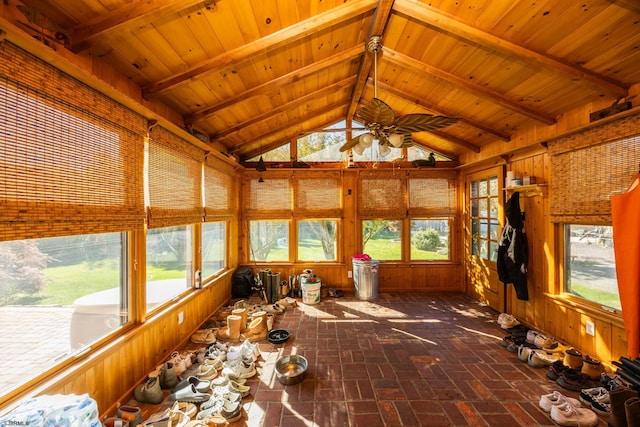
[(249, 76)]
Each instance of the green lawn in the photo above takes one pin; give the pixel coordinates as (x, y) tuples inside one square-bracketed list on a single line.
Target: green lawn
[(599, 296), (67, 283)]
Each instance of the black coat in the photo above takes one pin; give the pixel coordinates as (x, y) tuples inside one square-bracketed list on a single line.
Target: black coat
[(513, 253)]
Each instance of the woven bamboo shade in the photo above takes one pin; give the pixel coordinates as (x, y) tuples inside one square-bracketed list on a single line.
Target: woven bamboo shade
[(432, 193), (217, 194), (317, 194), (71, 159), (584, 177), (270, 199), (175, 180), (382, 194)]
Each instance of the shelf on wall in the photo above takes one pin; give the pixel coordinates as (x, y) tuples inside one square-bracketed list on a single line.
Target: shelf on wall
[(528, 190)]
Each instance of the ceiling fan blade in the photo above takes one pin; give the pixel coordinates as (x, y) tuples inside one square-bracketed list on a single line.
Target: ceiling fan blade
[(376, 111), (422, 122), (350, 144), (407, 141)]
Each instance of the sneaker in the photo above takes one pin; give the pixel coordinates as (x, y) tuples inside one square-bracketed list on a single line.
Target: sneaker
[(507, 321), (555, 398), (588, 395), (540, 359), (568, 415), (523, 353), (239, 369), (531, 336), (573, 380), (543, 341)]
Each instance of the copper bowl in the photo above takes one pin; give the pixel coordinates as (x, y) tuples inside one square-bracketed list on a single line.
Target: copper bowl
[(291, 369)]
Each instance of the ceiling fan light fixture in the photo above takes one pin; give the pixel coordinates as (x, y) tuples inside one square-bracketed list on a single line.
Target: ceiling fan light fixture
[(358, 149), (366, 139), (383, 150), (396, 139)]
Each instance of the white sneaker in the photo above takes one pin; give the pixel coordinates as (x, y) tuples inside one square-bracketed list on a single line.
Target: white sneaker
[(239, 369), (548, 401), (507, 321), (568, 415)]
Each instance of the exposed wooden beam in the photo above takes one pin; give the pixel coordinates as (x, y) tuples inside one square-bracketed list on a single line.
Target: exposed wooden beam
[(427, 146), (270, 42), (277, 82), (457, 141), (489, 94), (130, 12), (442, 111), (284, 138), (336, 87), (417, 10), (378, 24)]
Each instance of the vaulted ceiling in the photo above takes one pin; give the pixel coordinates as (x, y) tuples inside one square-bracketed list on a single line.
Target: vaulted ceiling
[(249, 76)]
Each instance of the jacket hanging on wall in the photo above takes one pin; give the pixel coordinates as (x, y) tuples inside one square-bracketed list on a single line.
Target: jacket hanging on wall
[(513, 252)]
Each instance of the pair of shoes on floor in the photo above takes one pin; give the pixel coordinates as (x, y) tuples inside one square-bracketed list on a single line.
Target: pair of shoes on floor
[(567, 411), (507, 321), (540, 340), (511, 343), (188, 393), (335, 293), (204, 336)]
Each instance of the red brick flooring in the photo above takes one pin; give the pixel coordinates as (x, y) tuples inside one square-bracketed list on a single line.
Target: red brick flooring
[(402, 360)]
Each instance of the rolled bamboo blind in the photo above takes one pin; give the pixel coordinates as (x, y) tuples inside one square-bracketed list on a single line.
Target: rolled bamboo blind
[(71, 158), (217, 190), (432, 193), (317, 194), (270, 199), (589, 167), (382, 194), (175, 180)]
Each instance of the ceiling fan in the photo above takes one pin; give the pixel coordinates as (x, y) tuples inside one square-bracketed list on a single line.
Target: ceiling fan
[(382, 123)]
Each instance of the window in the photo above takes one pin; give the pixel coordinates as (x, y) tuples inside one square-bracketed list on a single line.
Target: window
[(73, 289), (381, 239), (483, 204), (269, 240), (430, 239), (317, 240), (279, 154), (590, 270), (323, 146), (169, 264), (214, 247)]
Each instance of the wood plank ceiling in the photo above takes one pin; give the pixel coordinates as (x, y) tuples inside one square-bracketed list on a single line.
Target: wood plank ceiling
[(249, 76)]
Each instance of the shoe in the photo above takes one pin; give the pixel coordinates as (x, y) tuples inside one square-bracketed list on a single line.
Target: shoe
[(231, 411), (256, 331), (555, 398), (592, 367), (573, 358), (233, 387), (201, 385), (239, 368), (588, 395), (632, 410), (540, 359), (531, 336), (187, 408), (206, 372), (214, 362), (204, 336), (572, 380), (115, 421), (567, 415), (149, 392), (232, 331), (179, 363), (131, 413), (555, 369), (507, 321), (189, 394), (523, 353), (542, 341)]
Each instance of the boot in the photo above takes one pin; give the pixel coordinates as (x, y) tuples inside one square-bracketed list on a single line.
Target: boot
[(232, 331), (256, 331), (131, 413), (618, 397), (168, 378), (632, 410), (573, 359), (242, 312), (592, 367)]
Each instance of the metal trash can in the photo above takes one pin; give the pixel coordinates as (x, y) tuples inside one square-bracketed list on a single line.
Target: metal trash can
[(365, 279)]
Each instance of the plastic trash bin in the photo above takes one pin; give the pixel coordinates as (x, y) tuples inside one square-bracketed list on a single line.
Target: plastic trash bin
[(365, 279)]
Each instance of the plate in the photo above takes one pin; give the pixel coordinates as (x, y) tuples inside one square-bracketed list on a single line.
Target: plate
[(278, 336)]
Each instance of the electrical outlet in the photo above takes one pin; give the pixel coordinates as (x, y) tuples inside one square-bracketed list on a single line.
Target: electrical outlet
[(590, 328), (180, 317), (349, 274)]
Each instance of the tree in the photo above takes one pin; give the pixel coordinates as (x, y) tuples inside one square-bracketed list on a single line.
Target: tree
[(325, 231), (426, 240), (371, 228), (21, 269)]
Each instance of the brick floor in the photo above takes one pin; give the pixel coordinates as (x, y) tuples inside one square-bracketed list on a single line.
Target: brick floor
[(401, 360)]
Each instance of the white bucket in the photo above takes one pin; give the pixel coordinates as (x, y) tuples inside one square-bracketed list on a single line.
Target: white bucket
[(311, 292)]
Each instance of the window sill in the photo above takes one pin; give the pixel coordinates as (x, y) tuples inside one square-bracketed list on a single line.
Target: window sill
[(598, 311)]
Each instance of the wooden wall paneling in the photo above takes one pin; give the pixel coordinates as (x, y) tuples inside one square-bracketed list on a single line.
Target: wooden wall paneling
[(587, 342), (603, 340)]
